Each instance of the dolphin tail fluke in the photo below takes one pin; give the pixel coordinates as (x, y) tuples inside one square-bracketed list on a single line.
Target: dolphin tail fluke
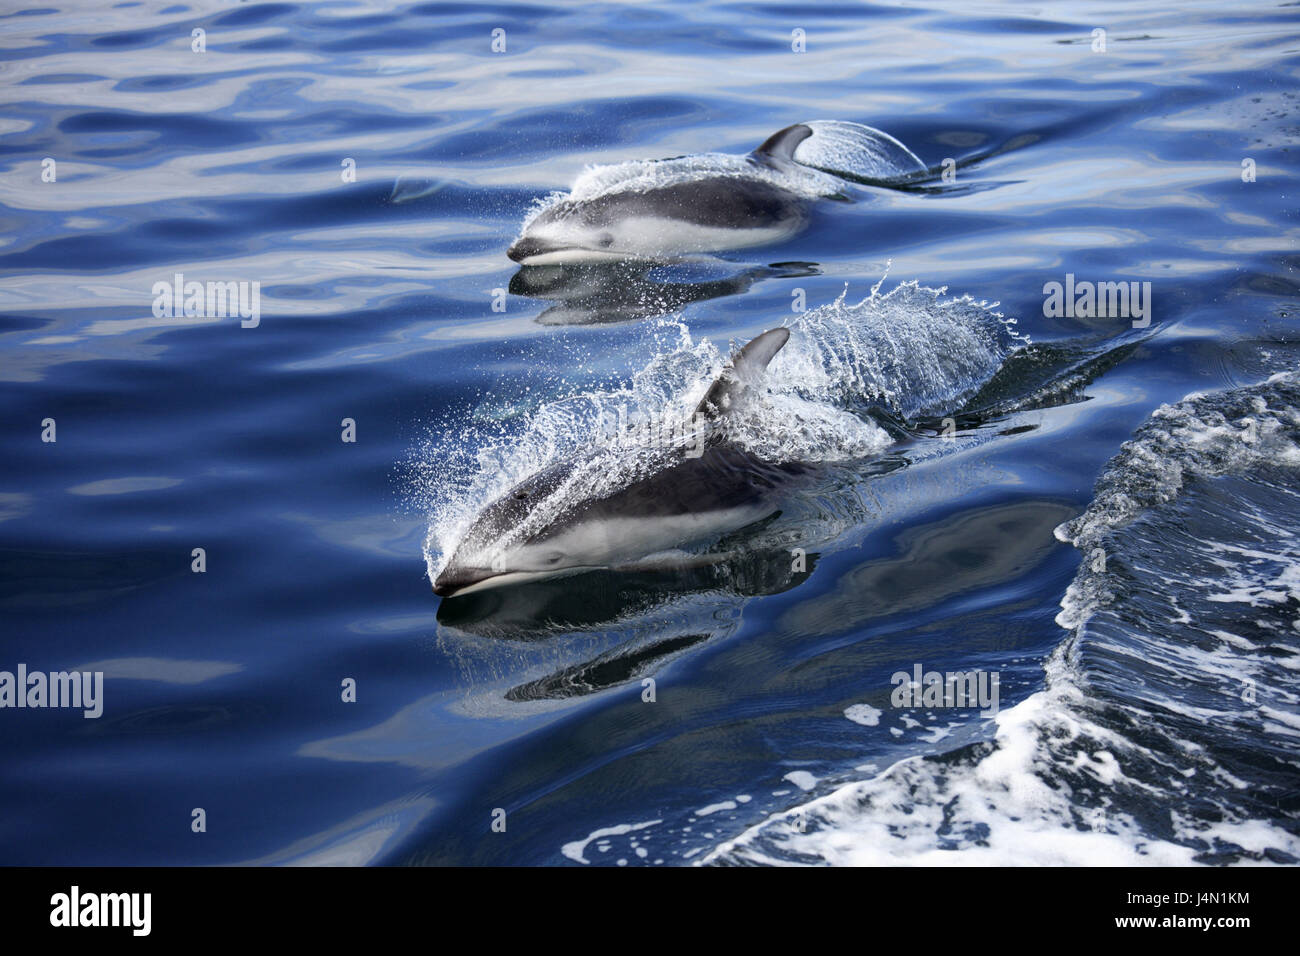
[(849, 150), (745, 368)]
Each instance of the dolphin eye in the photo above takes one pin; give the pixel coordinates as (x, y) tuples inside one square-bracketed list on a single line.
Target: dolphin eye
[(554, 558), (606, 240), (521, 495)]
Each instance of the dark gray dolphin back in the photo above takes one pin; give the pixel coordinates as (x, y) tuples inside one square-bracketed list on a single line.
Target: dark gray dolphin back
[(727, 202), (745, 369)]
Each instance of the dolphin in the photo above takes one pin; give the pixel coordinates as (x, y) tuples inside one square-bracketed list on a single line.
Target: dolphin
[(695, 498), (667, 208)]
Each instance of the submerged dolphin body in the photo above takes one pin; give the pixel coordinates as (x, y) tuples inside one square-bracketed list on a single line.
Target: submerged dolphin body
[(666, 208), (691, 500)]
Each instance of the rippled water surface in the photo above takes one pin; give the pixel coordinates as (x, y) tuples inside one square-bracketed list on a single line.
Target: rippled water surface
[(975, 506)]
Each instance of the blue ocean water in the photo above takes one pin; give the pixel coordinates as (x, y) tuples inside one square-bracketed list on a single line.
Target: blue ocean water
[(368, 165)]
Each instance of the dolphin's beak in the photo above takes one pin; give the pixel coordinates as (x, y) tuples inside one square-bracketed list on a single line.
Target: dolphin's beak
[(453, 580), (526, 248)]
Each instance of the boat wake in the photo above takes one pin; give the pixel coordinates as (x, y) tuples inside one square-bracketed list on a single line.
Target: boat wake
[(1169, 728)]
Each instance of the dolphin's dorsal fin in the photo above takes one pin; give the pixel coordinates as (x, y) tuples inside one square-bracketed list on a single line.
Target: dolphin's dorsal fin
[(744, 369), (780, 147)]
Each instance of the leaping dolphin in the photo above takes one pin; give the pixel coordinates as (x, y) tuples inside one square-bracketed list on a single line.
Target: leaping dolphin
[(710, 203), (694, 498)]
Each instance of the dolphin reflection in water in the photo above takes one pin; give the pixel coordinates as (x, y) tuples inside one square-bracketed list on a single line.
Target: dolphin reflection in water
[(608, 292)]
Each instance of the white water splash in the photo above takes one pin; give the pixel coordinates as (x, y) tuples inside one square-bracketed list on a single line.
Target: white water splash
[(1203, 435), (857, 151)]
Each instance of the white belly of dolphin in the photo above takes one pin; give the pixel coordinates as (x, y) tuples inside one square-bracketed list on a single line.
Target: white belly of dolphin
[(663, 238), (519, 577), (626, 544), (622, 542), (563, 257)]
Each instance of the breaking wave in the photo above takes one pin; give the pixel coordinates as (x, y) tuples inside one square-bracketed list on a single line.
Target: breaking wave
[(1169, 728)]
